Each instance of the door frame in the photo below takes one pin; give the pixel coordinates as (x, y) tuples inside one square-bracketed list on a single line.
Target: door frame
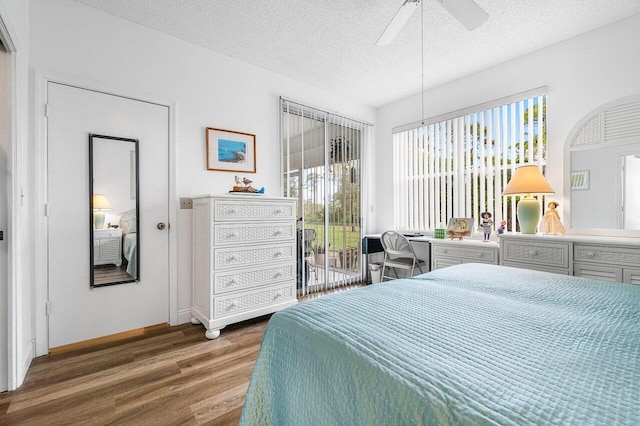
[(14, 372), (42, 79)]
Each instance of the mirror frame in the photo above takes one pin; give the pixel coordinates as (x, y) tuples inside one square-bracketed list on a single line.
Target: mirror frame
[(567, 173), (93, 136)]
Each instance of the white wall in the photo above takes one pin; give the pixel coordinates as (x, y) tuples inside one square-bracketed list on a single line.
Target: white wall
[(581, 73), (209, 89)]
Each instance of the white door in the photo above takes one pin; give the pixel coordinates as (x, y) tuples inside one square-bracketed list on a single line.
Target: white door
[(631, 201), (78, 312)]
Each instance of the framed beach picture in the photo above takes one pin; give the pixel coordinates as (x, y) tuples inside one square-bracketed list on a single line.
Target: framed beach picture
[(231, 151)]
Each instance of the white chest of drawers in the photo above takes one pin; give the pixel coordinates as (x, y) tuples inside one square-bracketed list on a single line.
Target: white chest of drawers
[(244, 258), (454, 252), (539, 252), (610, 262), (602, 258), (107, 246)]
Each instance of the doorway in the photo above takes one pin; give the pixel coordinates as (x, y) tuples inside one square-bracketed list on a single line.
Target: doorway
[(5, 155), (78, 311), (322, 167)]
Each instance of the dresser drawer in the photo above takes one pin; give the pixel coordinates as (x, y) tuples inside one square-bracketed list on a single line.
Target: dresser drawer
[(241, 302), (623, 256), (230, 257), (228, 234), (443, 262), (597, 272), (224, 282), (466, 254), (535, 253), (631, 276), (232, 210)]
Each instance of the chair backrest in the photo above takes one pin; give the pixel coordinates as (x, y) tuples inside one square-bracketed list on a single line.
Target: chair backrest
[(309, 236), (396, 245)]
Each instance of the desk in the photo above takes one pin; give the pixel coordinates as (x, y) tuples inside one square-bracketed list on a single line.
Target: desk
[(371, 244)]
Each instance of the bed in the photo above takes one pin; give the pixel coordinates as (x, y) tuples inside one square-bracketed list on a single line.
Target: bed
[(469, 344), (129, 226)]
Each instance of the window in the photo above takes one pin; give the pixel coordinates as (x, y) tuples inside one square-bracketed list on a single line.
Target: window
[(457, 165)]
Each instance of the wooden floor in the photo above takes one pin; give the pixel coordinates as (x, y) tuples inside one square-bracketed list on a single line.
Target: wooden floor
[(164, 376)]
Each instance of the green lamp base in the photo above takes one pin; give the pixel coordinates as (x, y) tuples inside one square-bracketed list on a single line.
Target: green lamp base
[(98, 220), (528, 214)]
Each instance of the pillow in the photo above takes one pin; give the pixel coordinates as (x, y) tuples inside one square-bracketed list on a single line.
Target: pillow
[(128, 222)]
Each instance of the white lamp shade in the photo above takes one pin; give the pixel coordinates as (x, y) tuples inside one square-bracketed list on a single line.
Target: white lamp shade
[(527, 180), (100, 202)]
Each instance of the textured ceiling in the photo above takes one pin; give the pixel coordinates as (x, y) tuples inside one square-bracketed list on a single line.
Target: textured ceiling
[(330, 44)]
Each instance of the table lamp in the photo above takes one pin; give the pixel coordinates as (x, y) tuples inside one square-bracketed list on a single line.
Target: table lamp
[(100, 203), (528, 181)]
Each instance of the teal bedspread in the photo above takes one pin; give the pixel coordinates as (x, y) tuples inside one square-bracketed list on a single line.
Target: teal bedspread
[(471, 344)]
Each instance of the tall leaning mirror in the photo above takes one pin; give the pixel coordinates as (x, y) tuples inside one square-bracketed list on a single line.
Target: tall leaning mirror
[(114, 210)]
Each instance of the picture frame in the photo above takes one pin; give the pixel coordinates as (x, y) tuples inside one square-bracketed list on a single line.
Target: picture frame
[(231, 151), (580, 180), (460, 227)]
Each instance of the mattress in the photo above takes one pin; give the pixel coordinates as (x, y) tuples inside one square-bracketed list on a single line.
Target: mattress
[(469, 344)]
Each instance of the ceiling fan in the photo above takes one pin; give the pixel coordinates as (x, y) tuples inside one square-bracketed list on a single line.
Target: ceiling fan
[(466, 11)]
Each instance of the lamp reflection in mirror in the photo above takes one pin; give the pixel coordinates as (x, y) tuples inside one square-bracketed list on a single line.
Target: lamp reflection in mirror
[(528, 181), (100, 203)]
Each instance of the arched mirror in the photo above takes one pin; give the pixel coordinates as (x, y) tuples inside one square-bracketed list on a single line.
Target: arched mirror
[(113, 203), (602, 176)]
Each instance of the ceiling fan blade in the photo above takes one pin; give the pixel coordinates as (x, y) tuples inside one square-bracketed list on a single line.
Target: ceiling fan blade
[(466, 11), (398, 21)]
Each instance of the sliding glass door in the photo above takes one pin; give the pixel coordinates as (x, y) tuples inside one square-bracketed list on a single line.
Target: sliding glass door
[(322, 167)]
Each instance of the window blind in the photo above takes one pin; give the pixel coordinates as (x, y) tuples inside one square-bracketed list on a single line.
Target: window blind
[(458, 165)]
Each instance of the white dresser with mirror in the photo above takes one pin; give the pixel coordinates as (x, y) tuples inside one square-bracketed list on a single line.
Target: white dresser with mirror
[(601, 202)]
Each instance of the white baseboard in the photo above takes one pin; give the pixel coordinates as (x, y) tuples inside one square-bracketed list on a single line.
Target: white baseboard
[(184, 316), (28, 353)]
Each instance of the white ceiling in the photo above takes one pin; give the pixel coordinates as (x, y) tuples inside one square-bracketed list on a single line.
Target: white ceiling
[(330, 44)]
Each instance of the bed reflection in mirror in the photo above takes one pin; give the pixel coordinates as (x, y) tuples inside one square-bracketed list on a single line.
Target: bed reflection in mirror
[(113, 186)]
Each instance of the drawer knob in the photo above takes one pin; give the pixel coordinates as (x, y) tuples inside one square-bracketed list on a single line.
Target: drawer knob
[(590, 254), (233, 282), (277, 211), (479, 254), (276, 233), (533, 252), (277, 254), (445, 251), (277, 275), (233, 235), (233, 211), (277, 296), (234, 304), (232, 259)]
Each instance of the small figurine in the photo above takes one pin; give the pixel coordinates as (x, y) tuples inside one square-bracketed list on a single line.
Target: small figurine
[(487, 225), (244, 185), (551, 220), (502, 227)]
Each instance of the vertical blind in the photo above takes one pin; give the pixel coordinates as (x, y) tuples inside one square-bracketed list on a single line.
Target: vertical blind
[(458, 166), (322, 157)]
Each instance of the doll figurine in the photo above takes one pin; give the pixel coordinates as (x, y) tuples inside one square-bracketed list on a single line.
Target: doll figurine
[(503, 226), (487, 225), (551, 220)]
